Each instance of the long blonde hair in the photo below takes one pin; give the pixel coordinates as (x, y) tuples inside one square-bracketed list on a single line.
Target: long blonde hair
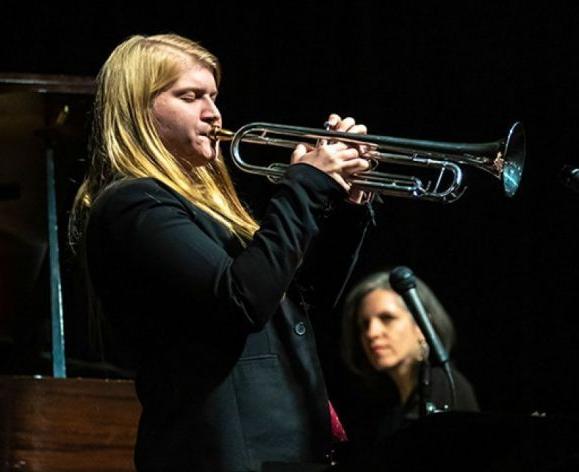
[(125, 142)]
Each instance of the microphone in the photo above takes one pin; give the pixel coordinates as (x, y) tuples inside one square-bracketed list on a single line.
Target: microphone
[(403, 282), (570, 177)]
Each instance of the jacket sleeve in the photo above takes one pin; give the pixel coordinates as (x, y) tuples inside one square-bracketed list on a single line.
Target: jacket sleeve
[(143, 238)]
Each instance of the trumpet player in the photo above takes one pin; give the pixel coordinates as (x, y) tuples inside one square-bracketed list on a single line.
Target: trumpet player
[(207, 299)]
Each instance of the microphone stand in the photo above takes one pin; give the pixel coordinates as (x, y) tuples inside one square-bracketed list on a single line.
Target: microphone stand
[(425, 405), (403, 281)]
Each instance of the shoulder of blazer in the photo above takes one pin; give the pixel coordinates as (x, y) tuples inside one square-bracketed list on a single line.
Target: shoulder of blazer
[(121, 195), (136, 188)]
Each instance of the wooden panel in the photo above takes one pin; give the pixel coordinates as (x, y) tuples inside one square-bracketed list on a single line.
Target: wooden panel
[(49, 424)]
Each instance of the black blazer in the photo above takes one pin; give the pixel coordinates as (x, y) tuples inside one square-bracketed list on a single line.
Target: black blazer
[(227, 370)]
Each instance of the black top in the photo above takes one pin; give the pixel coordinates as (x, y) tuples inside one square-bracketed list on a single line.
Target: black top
[(227, 370), (374, 412), (439, 397)]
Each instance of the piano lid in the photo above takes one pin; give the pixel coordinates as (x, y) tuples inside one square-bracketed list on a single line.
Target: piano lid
[(29, 104), (39, 83)]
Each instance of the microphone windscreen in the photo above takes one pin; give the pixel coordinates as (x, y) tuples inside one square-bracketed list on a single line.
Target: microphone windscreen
[(402, 279)]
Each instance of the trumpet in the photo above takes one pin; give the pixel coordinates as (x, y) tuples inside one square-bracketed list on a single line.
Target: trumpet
[(504, 159)]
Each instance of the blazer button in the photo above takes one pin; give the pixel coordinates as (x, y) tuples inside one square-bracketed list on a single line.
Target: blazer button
[(300, 328)]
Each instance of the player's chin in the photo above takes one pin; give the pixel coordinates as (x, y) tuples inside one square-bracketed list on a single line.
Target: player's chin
[(206, 153), (210, 154)]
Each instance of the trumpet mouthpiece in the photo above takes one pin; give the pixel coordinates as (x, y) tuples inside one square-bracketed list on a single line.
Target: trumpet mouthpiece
[(220, 134)]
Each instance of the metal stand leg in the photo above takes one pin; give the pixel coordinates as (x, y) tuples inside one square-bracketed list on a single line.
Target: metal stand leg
[(57, 319)]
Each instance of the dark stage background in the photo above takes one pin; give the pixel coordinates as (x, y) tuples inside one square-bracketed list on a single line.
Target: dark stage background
[(506, 269)]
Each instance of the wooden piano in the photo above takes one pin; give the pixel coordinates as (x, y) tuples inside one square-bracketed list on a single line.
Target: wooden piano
[(48, 421)]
